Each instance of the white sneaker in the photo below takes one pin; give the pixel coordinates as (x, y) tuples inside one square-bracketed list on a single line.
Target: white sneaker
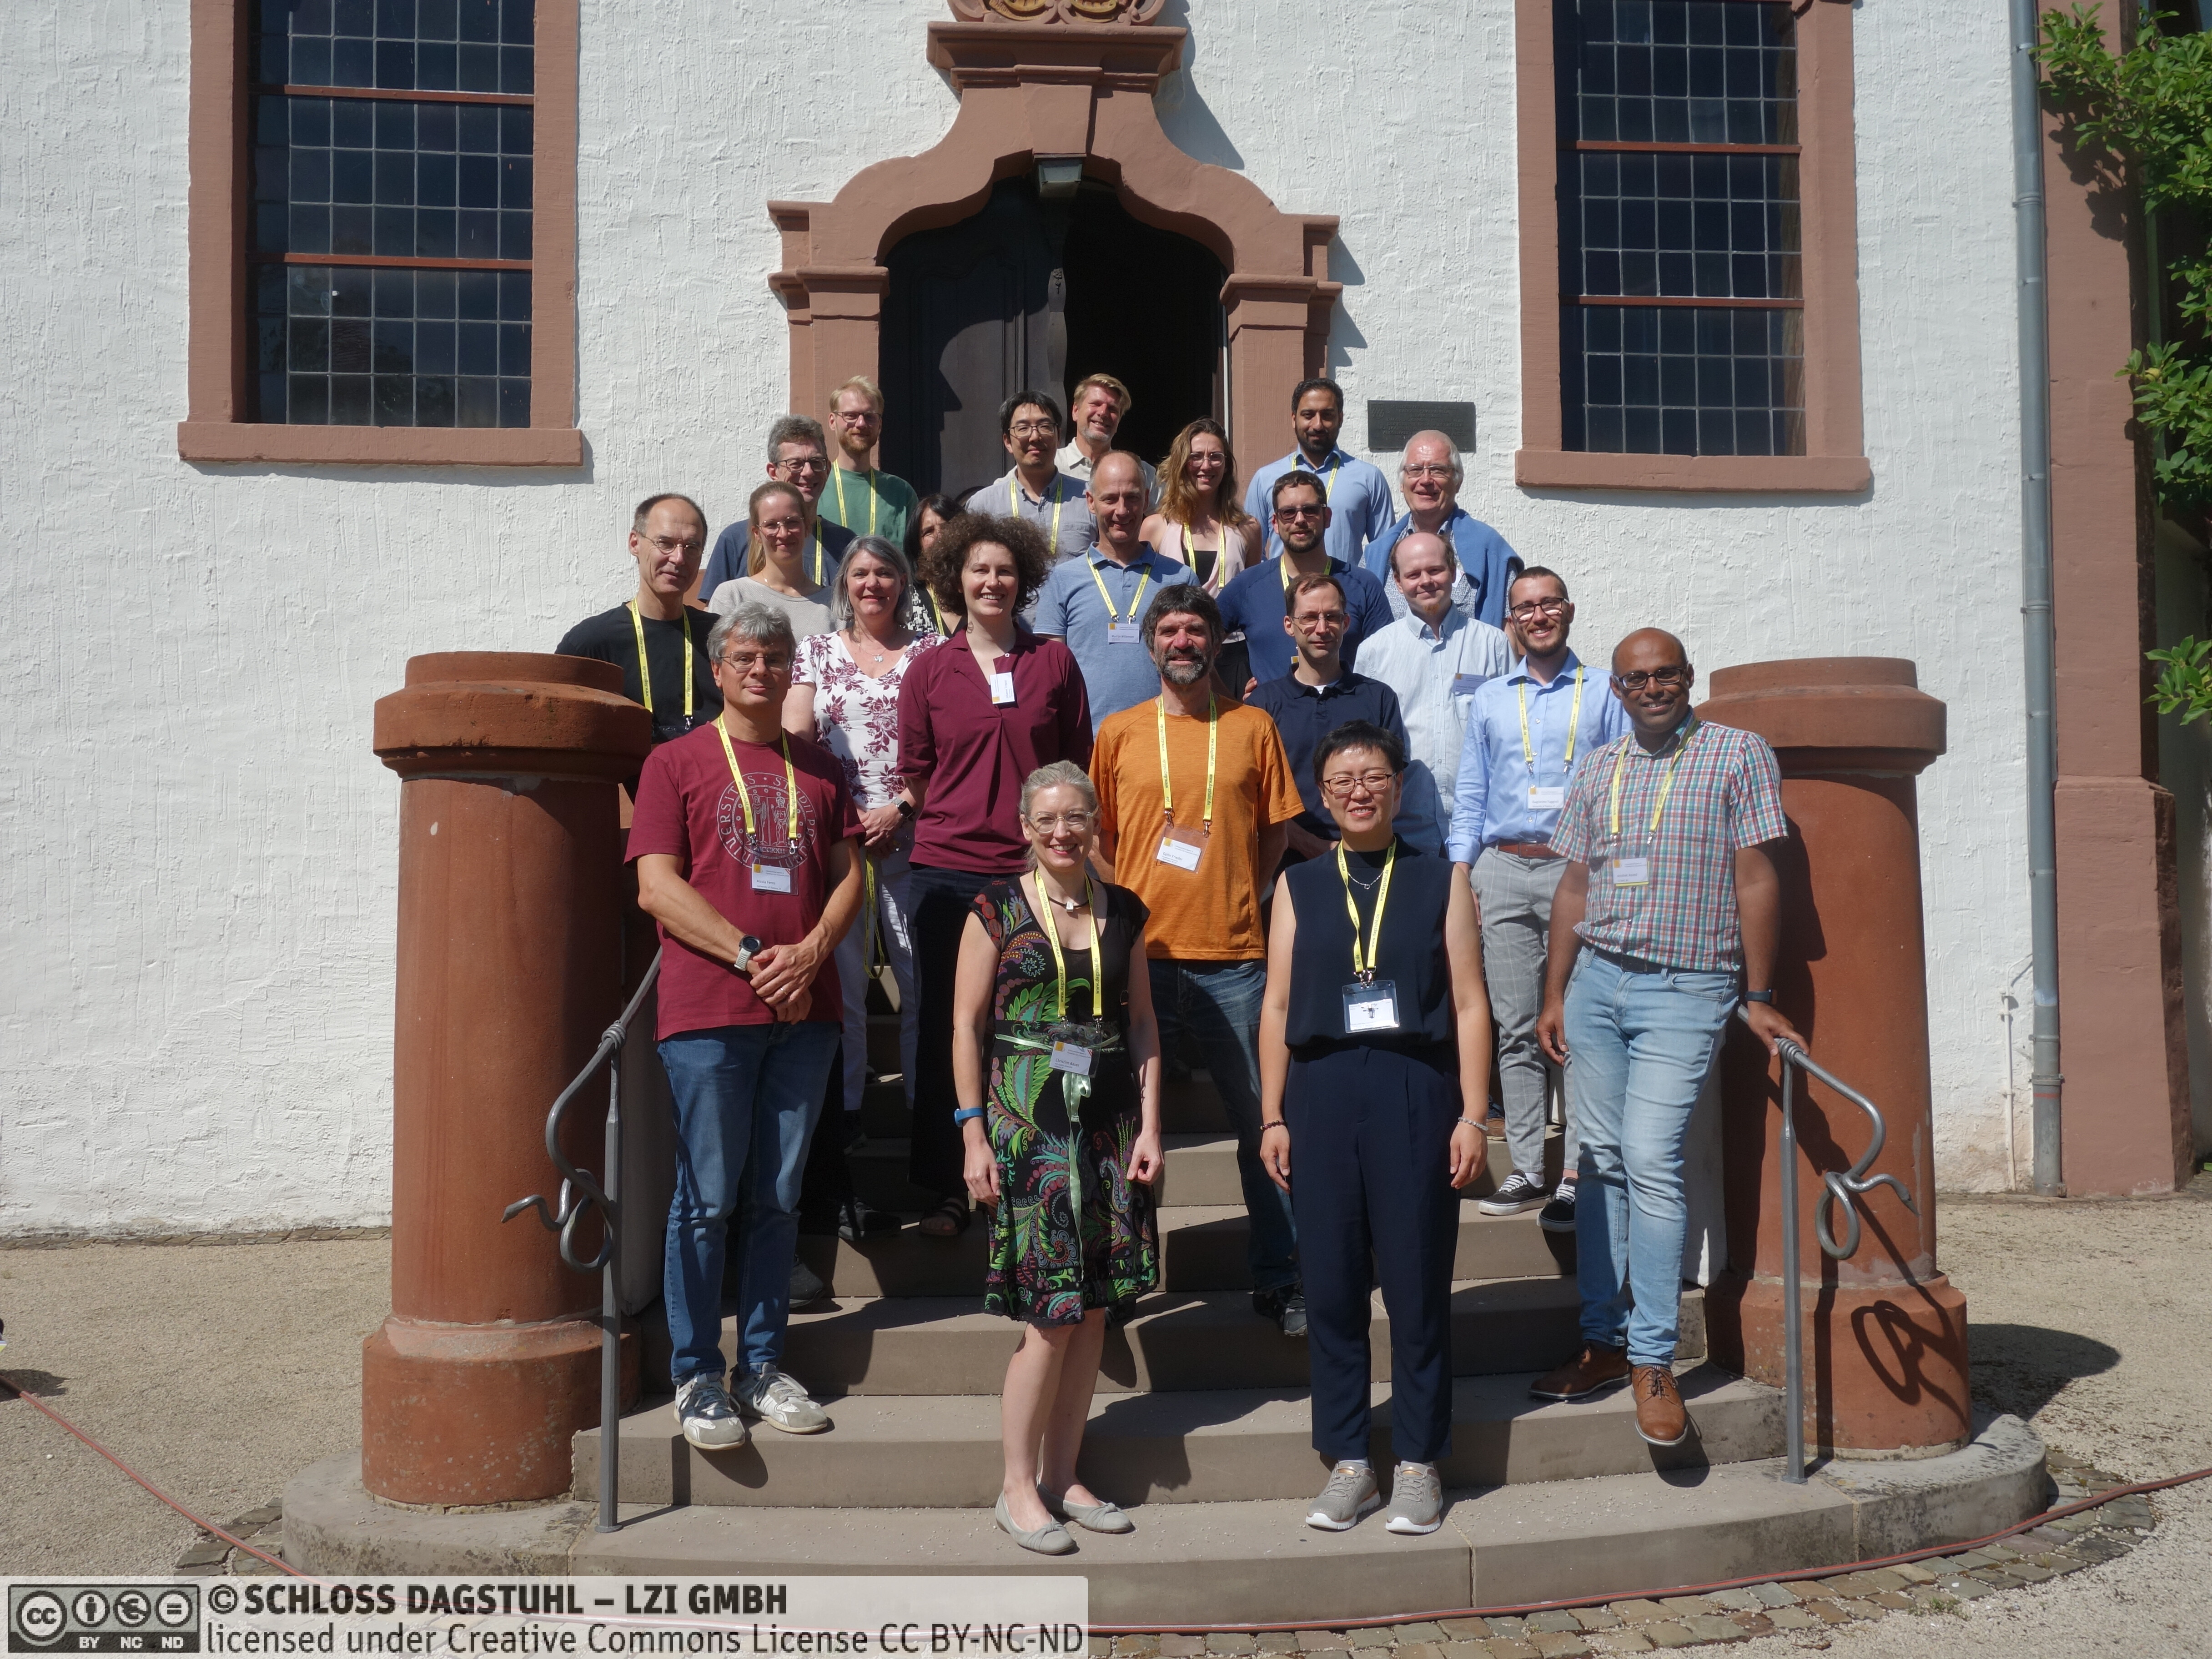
[(1349, 1494), (777, 1397), (707, 1418), (1417, 1499)]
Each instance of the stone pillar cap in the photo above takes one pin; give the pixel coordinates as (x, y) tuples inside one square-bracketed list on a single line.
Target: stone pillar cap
[(512, 713), (1832, 713)]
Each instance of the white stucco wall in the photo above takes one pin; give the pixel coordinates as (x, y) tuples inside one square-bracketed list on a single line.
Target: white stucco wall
[(199, 890)]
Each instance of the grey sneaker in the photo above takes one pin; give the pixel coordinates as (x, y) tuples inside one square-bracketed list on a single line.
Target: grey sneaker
[(708, 1420), (1516, 1193), (1417, 1499), (1349, 1494), (777, 1397)]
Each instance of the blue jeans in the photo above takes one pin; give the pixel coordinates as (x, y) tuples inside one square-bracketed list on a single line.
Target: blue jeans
[(1640, 1040), (1219, 1003), (747, 1097)]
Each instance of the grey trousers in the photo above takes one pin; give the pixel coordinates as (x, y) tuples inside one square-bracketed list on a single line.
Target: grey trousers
[(1514, 895)]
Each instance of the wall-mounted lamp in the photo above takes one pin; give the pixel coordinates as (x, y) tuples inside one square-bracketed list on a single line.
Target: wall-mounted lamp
[(1058, 176)]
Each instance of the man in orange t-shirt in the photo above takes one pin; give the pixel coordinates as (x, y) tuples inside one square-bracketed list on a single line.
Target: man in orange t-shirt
[(1194, 794)]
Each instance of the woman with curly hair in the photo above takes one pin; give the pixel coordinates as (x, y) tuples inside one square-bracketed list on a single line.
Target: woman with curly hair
[(1200, 522), (977, 716), (1062, 1131)]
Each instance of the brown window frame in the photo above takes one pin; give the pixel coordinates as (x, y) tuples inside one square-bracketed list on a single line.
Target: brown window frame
[(219, 210), (1834, 459)]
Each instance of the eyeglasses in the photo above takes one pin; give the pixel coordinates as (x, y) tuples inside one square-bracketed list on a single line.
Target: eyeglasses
[(1345, 788), (1046, 823), (741, 660), (1426, 469), (1313, 512), (1033, 429), (1529, 608), (858, 416), (1635, 679), (1318, 618), (802, 464), (673, 544)]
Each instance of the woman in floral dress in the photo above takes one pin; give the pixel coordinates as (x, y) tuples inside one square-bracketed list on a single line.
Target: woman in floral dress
[(1062, 1131)]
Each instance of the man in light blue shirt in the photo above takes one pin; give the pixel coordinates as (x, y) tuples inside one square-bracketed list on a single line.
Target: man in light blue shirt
[(1435, 660), (1429, 478), (1526, 733), (1037, 489), (1096, 603), (1355, 492)]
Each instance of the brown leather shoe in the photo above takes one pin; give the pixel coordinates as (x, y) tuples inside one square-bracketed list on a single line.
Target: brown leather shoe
[(1593, 1370), (1661, 1417)]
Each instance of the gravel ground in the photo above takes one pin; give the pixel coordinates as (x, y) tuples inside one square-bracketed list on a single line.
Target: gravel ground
[(218, 1371)]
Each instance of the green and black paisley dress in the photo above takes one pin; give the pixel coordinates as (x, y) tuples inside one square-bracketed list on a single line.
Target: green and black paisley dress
[(1071, 1231)]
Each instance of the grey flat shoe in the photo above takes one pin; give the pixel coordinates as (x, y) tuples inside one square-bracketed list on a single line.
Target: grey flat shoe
[(1098, 1517), (1052, 1539)]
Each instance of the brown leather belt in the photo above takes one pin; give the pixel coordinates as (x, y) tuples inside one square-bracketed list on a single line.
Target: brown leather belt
[(1527, 849)]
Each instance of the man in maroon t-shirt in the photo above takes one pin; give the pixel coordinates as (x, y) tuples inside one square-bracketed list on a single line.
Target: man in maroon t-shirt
[(746, 843)]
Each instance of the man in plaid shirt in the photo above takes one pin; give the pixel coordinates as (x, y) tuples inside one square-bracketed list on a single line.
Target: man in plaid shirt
[(1666, 917)]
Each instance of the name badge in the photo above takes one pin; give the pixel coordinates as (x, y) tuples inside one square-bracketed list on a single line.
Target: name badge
[(1182, 847), (1071, 1057), (1121, 633), (771, 879), (1465, 686), (1632, 871), (1371, 1007), (1002, 687), (1547, 797)]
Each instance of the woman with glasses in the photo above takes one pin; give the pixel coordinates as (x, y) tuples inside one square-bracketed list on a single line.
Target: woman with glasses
[(1060, 1137), (930, 516), (845, 694), (780, 545), (1200, 523), (977, 716), (1373, 1078)]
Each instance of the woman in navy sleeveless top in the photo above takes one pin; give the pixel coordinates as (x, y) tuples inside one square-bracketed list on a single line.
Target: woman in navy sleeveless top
[(1374, 1082)]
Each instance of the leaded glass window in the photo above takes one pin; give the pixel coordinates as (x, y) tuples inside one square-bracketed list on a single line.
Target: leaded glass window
[(1680, 245), (392, 233)]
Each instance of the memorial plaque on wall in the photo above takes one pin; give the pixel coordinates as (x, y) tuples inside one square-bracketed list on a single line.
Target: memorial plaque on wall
[(1392, 421)]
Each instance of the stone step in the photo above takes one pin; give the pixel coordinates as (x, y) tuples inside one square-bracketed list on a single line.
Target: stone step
[(1613, 1535), (886, 1451), (1202, 1248)]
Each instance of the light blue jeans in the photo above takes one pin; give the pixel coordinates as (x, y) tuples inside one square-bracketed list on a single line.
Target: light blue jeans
[(747, 1097), (1219, 1003), (1640, 1040)]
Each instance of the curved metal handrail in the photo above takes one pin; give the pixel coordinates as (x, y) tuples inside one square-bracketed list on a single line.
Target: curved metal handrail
[(1842, 1186), (579, 1192)]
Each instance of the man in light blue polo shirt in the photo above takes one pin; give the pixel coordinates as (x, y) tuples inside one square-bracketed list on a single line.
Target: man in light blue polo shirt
[(1429, 476), (1096, 603), (1037, 489), (1436, 660), (1356, 494), (1526, 733)]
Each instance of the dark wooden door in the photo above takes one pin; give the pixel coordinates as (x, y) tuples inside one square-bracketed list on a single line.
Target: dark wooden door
[(970, 318)]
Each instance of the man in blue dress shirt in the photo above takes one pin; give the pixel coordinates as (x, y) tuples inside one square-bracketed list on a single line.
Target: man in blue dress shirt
[(1096, 603), (1355, 491), (1429, 476), (1526, 733), (1258, 600)]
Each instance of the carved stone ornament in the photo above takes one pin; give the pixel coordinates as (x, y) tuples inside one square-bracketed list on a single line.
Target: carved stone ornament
[(1058, 11)]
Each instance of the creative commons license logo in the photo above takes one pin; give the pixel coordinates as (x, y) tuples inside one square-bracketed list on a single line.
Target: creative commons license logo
[(150, 1618)]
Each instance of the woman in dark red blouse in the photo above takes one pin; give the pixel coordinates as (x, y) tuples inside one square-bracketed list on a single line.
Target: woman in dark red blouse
[(976, 716)]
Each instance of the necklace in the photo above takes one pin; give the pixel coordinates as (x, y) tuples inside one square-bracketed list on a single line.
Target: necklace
[(1368, 882), (1070, 905)]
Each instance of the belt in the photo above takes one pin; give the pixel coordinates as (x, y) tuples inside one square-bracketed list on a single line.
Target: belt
[(1526, 849)]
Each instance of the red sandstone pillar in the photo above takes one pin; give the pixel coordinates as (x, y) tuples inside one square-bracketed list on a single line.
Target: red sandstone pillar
[(1886, 1337), (509, 968)]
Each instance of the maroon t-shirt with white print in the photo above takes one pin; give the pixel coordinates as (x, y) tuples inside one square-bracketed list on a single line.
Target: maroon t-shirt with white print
[(689, 808)]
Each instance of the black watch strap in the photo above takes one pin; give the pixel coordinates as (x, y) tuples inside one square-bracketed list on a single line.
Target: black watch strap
[(1767, 997)]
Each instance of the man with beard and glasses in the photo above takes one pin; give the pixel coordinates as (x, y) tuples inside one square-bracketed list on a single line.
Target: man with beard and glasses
[(1196, 795)]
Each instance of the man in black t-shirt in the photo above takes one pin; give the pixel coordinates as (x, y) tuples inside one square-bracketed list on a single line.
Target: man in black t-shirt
[(657, 640)]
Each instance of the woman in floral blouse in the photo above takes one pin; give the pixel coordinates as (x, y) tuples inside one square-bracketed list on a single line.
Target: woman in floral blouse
[(1061, 1127), (845, 696)]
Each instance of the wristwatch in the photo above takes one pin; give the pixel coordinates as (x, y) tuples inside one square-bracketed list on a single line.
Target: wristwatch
[(905, 807), (1767, 997)]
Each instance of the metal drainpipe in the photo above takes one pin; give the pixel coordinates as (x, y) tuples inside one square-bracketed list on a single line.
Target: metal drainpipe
[(2035, 581)]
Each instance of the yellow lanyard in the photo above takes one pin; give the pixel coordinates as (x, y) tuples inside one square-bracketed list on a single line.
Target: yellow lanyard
[(1363, 967), (1666, 785), (937, 611), (1284, 559), (1328, 479), (1059, 962), (645, 668), (838, 473), (820, 555), (1059, 501), (1213, 748), (1574, 720), (745, 795), (1108, 598)]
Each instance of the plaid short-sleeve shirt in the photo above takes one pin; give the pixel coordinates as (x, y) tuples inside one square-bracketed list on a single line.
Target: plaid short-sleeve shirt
[(1727, 794)]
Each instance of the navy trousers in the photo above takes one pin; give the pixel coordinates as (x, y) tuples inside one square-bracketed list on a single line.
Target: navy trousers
[(1371, 1186)]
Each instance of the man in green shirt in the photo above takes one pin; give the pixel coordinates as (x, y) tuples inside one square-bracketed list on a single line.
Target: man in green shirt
[(865, 501)]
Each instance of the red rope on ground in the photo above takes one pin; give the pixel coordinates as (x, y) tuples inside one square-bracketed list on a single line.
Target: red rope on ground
[(40, 1406)]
